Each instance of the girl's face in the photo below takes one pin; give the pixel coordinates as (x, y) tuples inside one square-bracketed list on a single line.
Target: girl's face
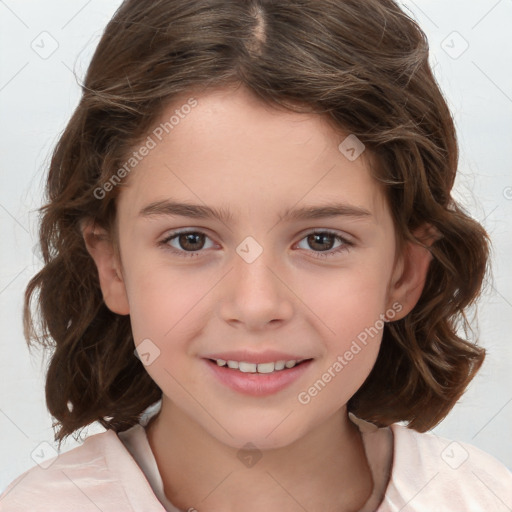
[(220, 260)]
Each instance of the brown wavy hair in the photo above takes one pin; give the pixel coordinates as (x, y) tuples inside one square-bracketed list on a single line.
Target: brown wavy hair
[(363, 65)]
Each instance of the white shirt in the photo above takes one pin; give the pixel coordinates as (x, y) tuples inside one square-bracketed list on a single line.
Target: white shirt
[(118, 473)]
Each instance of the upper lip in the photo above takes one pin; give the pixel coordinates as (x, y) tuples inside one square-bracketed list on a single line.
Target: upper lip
[(268, 356)]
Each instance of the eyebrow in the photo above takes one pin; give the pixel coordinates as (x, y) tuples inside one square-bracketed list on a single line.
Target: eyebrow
[(196, 211)]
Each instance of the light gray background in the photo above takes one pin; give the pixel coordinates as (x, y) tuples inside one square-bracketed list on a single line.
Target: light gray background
[(38, 93)]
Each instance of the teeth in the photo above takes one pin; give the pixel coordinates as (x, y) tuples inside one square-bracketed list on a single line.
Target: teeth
[(266, 367), (245, 367), (279, 365)]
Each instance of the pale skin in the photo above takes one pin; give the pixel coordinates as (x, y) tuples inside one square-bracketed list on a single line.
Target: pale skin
[(233, 152)]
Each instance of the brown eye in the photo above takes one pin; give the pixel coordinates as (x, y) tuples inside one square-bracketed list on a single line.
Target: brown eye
[(186, 243), (322, 243), (191, 241)]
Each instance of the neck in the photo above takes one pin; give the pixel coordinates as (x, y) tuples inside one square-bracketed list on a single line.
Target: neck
[(324, 470)]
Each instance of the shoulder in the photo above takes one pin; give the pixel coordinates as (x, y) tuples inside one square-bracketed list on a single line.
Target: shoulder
[(99, 474), (431, 470)]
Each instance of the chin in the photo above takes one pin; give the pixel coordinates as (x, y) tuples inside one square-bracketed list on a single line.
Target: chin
[(273, 431)]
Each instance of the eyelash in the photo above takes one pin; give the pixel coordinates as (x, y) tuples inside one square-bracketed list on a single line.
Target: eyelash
[(346, 244)]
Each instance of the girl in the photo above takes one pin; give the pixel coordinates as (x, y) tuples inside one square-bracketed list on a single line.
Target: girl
[(255, 271)]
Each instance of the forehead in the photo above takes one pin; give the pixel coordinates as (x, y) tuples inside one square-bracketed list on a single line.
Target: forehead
[(227, 149)]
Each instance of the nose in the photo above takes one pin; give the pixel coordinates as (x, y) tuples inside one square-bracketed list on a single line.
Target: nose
[(255, 295)]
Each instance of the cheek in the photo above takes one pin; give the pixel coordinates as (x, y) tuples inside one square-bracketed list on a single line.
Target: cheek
[(166, 305), (352, 320), (350, 310), (164, 309), (160, 293), (350, 300)]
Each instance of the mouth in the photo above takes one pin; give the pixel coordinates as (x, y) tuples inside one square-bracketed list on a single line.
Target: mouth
[(257, 379), (270, 367)]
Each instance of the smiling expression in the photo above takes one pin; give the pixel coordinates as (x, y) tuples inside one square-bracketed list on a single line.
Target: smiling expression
[(247, 236)]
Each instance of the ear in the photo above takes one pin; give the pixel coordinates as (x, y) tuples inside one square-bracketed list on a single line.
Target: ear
[(100, 247), (410, 272)]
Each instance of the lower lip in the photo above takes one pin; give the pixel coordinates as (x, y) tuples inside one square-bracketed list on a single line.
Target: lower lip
[(257, 384)]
